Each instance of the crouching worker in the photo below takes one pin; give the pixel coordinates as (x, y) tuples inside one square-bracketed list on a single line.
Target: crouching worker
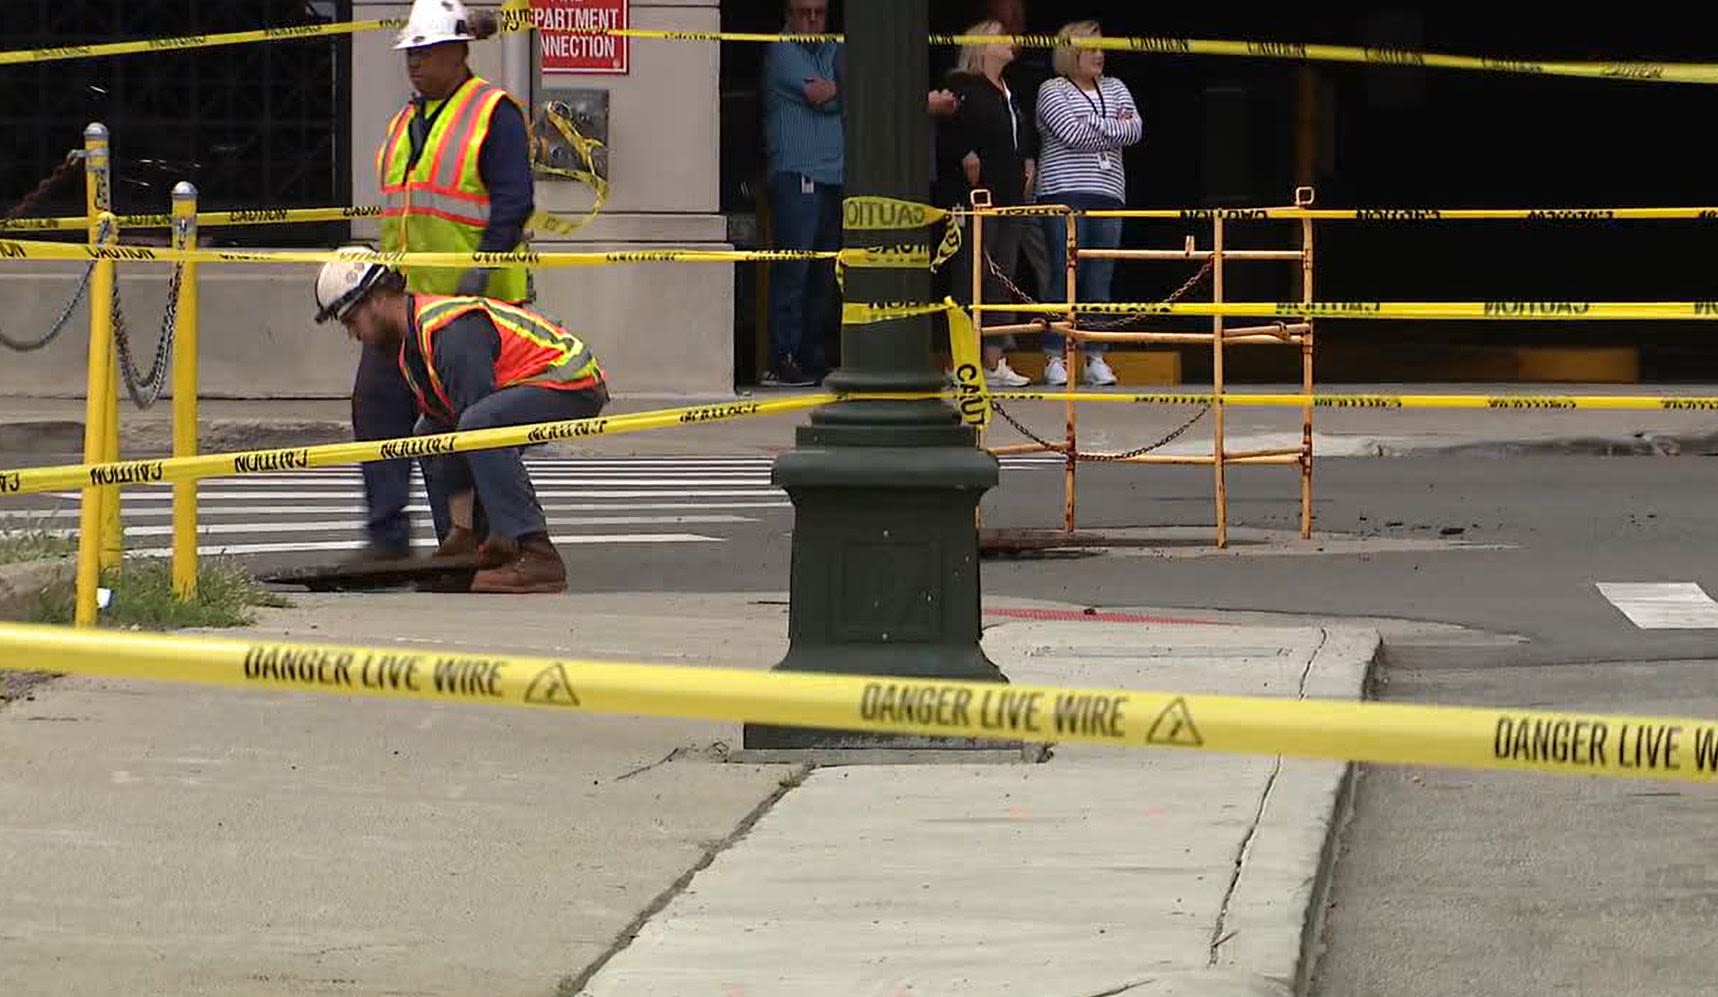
[(474, 363)]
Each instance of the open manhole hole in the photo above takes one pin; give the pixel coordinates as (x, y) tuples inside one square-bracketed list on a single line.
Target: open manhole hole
[(1019, 543)]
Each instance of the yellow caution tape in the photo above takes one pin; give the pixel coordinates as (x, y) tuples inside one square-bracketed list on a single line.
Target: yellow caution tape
[(857, 313), (973, 397), (34, 480), (27, 250), (1440, 310), (27, 481), (205, 219), (1401, 214), (873, 214), (1670, 748), (1499, 403), (585, 148), (278, 216), (516, 16)]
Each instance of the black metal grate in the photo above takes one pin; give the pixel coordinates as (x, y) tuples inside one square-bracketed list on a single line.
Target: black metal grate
[(258, 125)]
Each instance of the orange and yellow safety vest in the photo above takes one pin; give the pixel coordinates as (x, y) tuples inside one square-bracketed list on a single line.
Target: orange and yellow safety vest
[(439, 204), (534, 350)]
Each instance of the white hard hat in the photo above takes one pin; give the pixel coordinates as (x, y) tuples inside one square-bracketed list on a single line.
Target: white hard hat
[(341, 284), (433, 22)]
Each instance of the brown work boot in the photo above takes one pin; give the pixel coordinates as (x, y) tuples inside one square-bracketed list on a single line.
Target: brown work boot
[(460, 542), (536, 568)]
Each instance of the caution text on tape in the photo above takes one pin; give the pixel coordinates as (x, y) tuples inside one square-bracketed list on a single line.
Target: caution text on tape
[(517, 15), (25, 481), (1666, 748), (1430, 310)]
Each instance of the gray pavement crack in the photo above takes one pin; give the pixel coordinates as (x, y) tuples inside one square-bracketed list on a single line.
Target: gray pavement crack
[(1124, 988), (1220, 934), (571, 985)]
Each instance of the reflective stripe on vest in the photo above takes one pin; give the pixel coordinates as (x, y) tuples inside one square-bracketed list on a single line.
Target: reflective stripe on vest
[(442, 204), (534, 350)]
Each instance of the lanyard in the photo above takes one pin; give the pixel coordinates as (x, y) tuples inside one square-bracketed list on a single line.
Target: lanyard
[(1099, 108)]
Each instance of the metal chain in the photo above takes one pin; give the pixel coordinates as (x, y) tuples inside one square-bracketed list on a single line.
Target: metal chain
[(20, 346), (145, 388), (74, 159), (25, 206), (1021, 297)]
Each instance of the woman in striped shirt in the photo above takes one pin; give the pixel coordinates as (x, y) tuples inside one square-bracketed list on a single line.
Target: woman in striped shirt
[(1085, 120)]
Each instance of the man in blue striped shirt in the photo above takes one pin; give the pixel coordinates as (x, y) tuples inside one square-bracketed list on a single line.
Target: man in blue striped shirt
[(807, 145)]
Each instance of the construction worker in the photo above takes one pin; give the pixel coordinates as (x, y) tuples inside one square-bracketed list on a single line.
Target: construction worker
[(455, 177), (474, 363)]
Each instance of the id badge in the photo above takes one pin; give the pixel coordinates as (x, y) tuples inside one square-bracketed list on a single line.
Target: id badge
[(1106, 160), (809, 186)]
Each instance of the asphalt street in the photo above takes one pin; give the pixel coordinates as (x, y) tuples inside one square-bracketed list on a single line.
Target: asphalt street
[(1484, 575)]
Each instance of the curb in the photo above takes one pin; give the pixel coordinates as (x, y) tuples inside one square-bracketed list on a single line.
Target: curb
[(1276, 911), (23, 586), (155, 438)]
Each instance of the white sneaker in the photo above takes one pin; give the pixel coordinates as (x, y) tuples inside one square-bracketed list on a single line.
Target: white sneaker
[(1055, 372), (1005, 376), (1098, 373)]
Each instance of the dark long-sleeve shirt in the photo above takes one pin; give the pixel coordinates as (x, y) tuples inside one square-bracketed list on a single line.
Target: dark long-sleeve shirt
[(504, 163), (464, 361), (994, 126)]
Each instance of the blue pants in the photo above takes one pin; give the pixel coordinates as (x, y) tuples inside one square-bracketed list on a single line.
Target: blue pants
[(383, 409), (503, 485), (1092, 277), (803, 312)]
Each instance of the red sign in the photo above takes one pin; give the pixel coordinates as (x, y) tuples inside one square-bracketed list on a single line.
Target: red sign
[(564, 28)]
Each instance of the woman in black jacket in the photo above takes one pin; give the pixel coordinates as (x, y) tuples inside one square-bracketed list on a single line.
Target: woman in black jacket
[(991, 142)]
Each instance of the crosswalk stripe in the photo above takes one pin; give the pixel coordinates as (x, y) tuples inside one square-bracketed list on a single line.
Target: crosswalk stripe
[(344, 525), (310, 482), (1663, 605), (354, 504), (592, 539), (210, 496)]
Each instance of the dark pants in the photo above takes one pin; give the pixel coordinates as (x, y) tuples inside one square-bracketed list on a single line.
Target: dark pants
[(1002, 244), (1091, 277), (804, 318), (383, 409), (503, 485)]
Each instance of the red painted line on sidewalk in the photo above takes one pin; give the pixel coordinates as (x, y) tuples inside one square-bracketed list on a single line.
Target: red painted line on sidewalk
[(1092, 616)]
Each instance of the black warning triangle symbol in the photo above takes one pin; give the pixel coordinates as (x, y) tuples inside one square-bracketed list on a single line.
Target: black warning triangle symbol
[(551, 688), (1174, 726)]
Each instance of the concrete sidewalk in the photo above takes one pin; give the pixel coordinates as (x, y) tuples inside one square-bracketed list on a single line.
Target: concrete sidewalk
[(56, 425), (165, 839)]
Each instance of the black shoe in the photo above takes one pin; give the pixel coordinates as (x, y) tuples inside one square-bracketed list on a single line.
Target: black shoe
[(787, 374)]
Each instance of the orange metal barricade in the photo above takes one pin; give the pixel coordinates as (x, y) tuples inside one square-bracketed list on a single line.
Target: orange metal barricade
[(1220, 337)]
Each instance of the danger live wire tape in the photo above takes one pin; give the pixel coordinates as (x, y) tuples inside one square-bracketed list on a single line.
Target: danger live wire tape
[(1458, 737), (27, 481), (516, 15)]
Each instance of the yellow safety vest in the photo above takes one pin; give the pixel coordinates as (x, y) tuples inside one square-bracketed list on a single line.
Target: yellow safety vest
[(442, 206)]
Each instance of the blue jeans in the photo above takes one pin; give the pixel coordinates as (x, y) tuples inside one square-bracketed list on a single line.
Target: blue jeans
[(499, 477), (803, 312), (383, 409), (1091, 277)]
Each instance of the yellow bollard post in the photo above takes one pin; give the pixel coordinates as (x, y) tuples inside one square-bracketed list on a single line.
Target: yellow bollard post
[(185, 395), (112, 537), (98, 386)]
